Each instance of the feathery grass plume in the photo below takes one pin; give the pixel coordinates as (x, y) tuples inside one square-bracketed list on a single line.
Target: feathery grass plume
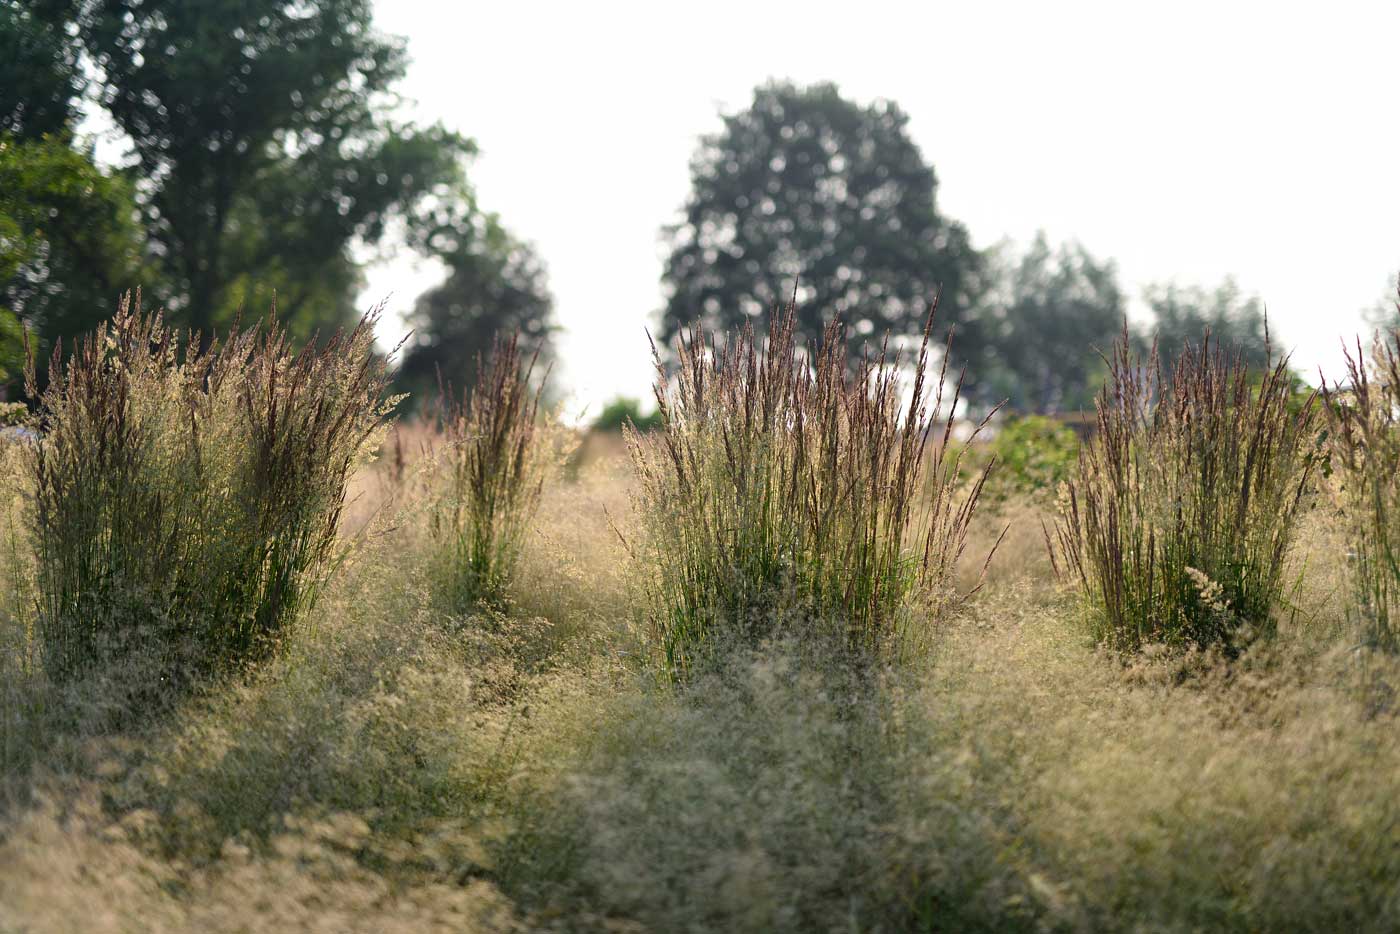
[(186, 495), (1365, 430), (783, 488), (492, 475), (1185, 502), (20, 665)]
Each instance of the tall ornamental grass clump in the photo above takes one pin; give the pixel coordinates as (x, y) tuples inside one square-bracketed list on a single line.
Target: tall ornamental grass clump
[(1178, 519), (1365, 430), (781, 487), (186, 495), (492, 473)]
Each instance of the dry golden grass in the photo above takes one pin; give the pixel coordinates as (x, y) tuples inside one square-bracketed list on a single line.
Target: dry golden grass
[(1365, 421), (400, 768), (186, 496)]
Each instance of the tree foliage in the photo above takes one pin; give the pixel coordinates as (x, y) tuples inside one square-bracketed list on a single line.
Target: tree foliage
[(40, 79), (495, 286), (263, 132), (69, 243), (807, 188), (622, 411), (1040, 325), (1183, 314), (266, 165)]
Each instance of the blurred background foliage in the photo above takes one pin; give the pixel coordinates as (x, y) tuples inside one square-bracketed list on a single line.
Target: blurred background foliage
[(1044, 307), (623, 411), (265, 160), (1034, 455), (809, 191)]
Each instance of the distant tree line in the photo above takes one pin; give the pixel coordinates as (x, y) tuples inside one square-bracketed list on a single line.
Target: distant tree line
[(1037, 334), (266, 160), (806, 195)]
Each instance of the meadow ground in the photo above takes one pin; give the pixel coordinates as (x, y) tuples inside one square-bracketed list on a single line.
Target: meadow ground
[(402, 767)]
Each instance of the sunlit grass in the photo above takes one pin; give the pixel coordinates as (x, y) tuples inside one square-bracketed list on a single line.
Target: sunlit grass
[(1178, 522), (404, 765), (784, 486), (1364, 417), (491, 470), (183, 497)]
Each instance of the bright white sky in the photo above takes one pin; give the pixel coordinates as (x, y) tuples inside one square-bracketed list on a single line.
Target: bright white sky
[(1186, 141)]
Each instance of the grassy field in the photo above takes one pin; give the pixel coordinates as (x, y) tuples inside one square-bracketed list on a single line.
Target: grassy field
[(404, 768), (405, 759)]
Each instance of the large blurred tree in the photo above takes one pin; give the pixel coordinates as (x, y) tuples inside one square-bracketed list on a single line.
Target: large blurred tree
[(267, 162), (69, 243), (496, 285), (1041, 325), (266, 147), (40, 79), (808, 187), (68, 239), (1183, 314)]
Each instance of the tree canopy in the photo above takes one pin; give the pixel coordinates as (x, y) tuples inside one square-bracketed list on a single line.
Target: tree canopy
[(495, 285), (40, 79), (1040, 326), (1183, 314), (265, 160), (807, 190), (263, 135), (69, 243)]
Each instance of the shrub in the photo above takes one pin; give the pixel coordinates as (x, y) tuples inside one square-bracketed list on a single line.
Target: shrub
[(1184, 503), (1365, 425), (1034, 454), (493, 471), (623, 411), (780, 488), (186, 499)]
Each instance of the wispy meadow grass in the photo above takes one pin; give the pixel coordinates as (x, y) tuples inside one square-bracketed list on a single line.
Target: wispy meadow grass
[(389, 772), (785, 487), (1180, 792), (364, 778), (1364, 417), (1177, 524), (399, 764)]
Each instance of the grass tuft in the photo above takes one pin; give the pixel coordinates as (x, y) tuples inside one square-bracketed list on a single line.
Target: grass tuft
[(186, 496), (785, 488), (492, 474), (1178, 521), (1365, 436)]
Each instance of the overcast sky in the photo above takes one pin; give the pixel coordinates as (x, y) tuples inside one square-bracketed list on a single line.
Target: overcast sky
[(1185, 141)]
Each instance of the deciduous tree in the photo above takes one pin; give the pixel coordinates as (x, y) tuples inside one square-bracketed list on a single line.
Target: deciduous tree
[(1041, 325), (807, 188), (495, 286)]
